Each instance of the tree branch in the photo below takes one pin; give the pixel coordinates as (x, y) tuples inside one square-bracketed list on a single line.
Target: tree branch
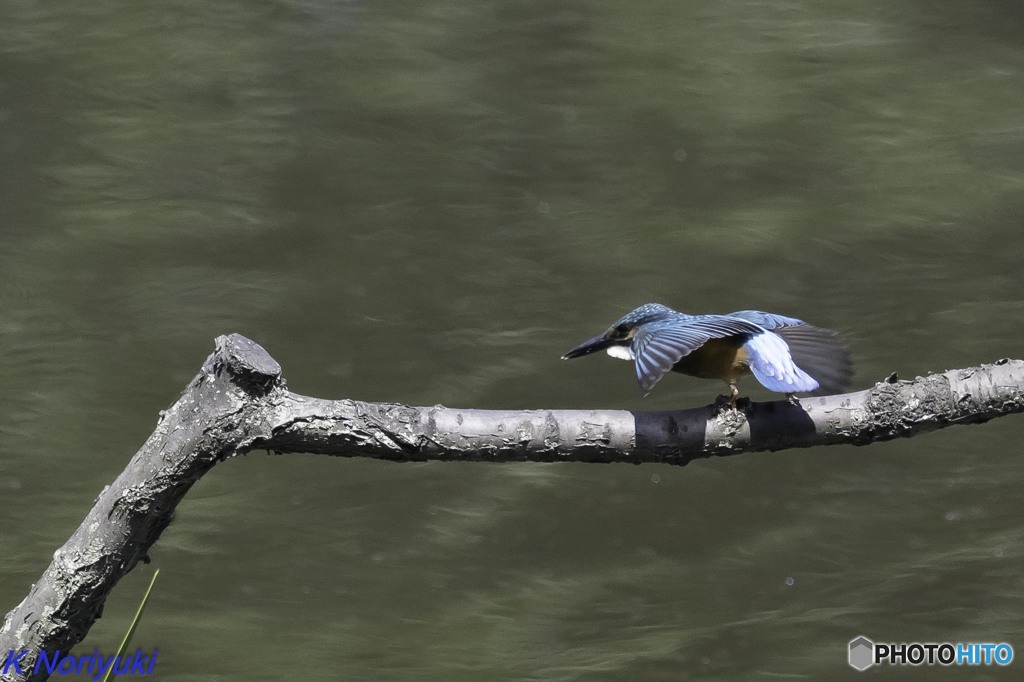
[(238, 403)]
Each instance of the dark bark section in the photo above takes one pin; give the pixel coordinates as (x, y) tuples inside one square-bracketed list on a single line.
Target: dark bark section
[(239, 403)]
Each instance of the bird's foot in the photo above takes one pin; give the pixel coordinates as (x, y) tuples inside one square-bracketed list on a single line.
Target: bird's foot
[(793, 400), (733, 404), (724, 402), (734, 393)]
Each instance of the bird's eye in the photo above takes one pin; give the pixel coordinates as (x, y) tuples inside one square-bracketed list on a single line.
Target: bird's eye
[(620, 330)]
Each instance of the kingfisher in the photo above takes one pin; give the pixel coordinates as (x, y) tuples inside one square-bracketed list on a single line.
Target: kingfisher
[(785, 355)]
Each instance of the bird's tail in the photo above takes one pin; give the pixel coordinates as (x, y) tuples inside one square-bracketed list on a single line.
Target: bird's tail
[(822, 354)]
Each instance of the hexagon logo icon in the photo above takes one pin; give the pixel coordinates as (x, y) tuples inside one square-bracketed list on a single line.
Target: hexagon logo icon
[(862, 653)]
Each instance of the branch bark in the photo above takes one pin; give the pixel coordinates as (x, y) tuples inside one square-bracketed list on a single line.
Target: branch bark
[(238, 403)]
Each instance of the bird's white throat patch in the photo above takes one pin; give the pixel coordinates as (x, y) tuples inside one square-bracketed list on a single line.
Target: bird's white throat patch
[(620, 352)]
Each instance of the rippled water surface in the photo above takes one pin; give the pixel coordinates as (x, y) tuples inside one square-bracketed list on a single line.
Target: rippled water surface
[(429, 202)]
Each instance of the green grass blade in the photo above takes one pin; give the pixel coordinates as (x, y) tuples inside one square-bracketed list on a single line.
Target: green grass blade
[(109, 677)]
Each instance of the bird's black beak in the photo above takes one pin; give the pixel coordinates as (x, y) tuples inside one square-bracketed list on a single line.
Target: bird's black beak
[(592, 346)]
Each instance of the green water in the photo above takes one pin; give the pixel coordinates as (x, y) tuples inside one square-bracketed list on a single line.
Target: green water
[(429, 202)]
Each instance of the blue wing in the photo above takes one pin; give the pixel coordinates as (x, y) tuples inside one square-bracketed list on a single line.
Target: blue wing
[(660, 345), (767, 320), (773, 366), (817, 354)]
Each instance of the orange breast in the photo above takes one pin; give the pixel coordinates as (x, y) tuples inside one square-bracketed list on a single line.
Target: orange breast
[(724, 359)]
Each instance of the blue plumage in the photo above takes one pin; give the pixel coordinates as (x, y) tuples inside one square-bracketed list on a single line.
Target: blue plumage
[(773, 366)]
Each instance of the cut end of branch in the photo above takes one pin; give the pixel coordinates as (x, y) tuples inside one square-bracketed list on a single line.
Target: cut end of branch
[(247, 361)]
